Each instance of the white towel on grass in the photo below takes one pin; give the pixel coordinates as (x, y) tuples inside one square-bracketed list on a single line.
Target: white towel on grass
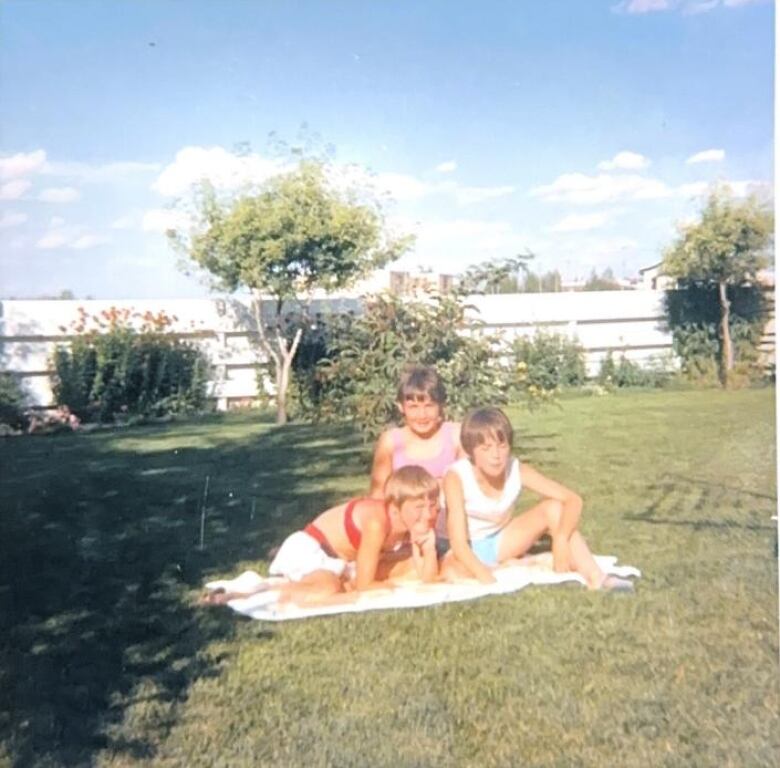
[(532, 569)]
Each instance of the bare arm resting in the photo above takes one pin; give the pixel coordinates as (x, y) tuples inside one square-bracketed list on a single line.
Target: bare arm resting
[(457, 530), (382, 466)]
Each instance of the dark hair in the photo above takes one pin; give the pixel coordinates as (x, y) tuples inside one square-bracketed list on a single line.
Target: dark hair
[(419, 381), (410, 482), (483, 424)]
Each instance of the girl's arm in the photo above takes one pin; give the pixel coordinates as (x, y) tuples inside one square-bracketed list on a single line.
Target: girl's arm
[(382, 466), (373, 532), (458, 531), (570, 516), (459, 452), (426, 563)]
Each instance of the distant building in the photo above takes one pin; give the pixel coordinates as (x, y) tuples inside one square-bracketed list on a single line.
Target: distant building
[(653, 279), (412, 283)]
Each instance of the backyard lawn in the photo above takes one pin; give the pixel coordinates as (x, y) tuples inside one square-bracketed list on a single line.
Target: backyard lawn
[(106, 660)]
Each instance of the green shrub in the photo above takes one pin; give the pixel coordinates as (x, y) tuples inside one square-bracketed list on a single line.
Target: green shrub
[(12, 402), (693, 316), (627, 373), (112, 370), (349, 365), (548, 362)]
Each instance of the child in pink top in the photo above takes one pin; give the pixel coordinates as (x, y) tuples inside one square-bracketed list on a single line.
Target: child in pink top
[(425, 440)]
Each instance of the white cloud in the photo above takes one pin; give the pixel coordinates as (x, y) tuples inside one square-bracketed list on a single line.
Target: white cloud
[(13, 190), (749, 187), (700, 6), (59, 195), (707, 156), (99, 173), (56, 221), (230, 172), (124, 222), (451, 245), (586, 190), (163, 219), (688, 7), (82, 242), (12, 219), (469, 195), (225, 170), (625, 161), (641, 6), (53, 240), (21, 164), (738, 188), (447, 167), (402, 187), (581, 222), (695, 189), (73, 238)]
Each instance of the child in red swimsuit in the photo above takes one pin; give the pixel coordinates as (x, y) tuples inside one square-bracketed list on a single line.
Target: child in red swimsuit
[(361, 544)]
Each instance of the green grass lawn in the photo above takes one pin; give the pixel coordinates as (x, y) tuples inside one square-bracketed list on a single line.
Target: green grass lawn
[(106, 661)]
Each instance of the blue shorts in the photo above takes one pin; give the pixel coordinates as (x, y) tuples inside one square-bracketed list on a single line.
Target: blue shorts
[(487, 549)]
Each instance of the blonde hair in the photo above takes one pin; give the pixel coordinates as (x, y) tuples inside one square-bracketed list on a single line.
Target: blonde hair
[(411, 482), (484, 424)]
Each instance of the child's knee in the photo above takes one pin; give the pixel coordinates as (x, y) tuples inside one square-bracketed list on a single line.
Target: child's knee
[(553, 510)]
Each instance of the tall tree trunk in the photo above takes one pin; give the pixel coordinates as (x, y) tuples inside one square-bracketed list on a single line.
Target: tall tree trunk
[(283, 366), (280, 359), (727, 350)]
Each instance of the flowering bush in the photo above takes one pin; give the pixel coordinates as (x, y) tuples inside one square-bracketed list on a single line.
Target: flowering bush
[(545, 363), (123, 363), (61, 420)]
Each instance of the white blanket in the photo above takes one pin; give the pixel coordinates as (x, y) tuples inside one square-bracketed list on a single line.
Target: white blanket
[(532, 569)]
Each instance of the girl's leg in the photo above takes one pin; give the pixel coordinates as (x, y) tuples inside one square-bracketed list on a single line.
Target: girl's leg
[(526, 529), (452, 570), (313, 589), (395, 566), (221, 596)]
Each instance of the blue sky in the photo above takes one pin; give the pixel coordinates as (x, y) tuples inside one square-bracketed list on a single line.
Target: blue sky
[(582, 130)]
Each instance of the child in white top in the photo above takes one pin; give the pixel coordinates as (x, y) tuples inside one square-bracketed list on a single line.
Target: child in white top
[(481, 491)]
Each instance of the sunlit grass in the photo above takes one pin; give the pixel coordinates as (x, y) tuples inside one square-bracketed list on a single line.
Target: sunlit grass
[(105, 659)]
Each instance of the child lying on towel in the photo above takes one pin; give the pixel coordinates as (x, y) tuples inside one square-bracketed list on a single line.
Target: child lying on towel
[(358, 545)]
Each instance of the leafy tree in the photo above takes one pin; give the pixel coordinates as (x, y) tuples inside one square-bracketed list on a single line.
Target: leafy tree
[(727, 246), (549, 282), (360, 358), (495, 276), (603, 282), (297, 234)]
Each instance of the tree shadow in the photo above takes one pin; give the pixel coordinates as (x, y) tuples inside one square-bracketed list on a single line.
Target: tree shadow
[(100, 558), (689, 502)]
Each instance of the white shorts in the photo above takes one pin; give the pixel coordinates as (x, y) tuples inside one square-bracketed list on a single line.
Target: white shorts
[(301, 554)]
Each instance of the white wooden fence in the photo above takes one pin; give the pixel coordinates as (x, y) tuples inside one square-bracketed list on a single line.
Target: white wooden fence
[(624, 322)]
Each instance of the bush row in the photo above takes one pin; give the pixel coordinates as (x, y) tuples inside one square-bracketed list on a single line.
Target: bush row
[(123, 365)]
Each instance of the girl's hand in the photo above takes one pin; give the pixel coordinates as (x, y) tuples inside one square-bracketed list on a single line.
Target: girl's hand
[(560, 552), (426, 542)]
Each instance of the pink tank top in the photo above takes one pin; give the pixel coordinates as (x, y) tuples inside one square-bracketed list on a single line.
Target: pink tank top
[(436, 465)]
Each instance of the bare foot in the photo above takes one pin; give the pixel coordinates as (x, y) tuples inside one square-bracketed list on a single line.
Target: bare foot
[(615, 584), (216, 597)]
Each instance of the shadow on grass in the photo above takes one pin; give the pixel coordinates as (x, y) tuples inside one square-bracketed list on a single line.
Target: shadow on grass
[(99, 556), (703, 504)]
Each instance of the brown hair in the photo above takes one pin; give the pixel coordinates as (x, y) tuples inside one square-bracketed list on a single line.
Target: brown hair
[(411, 482), (417, 381), (483, 424)]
